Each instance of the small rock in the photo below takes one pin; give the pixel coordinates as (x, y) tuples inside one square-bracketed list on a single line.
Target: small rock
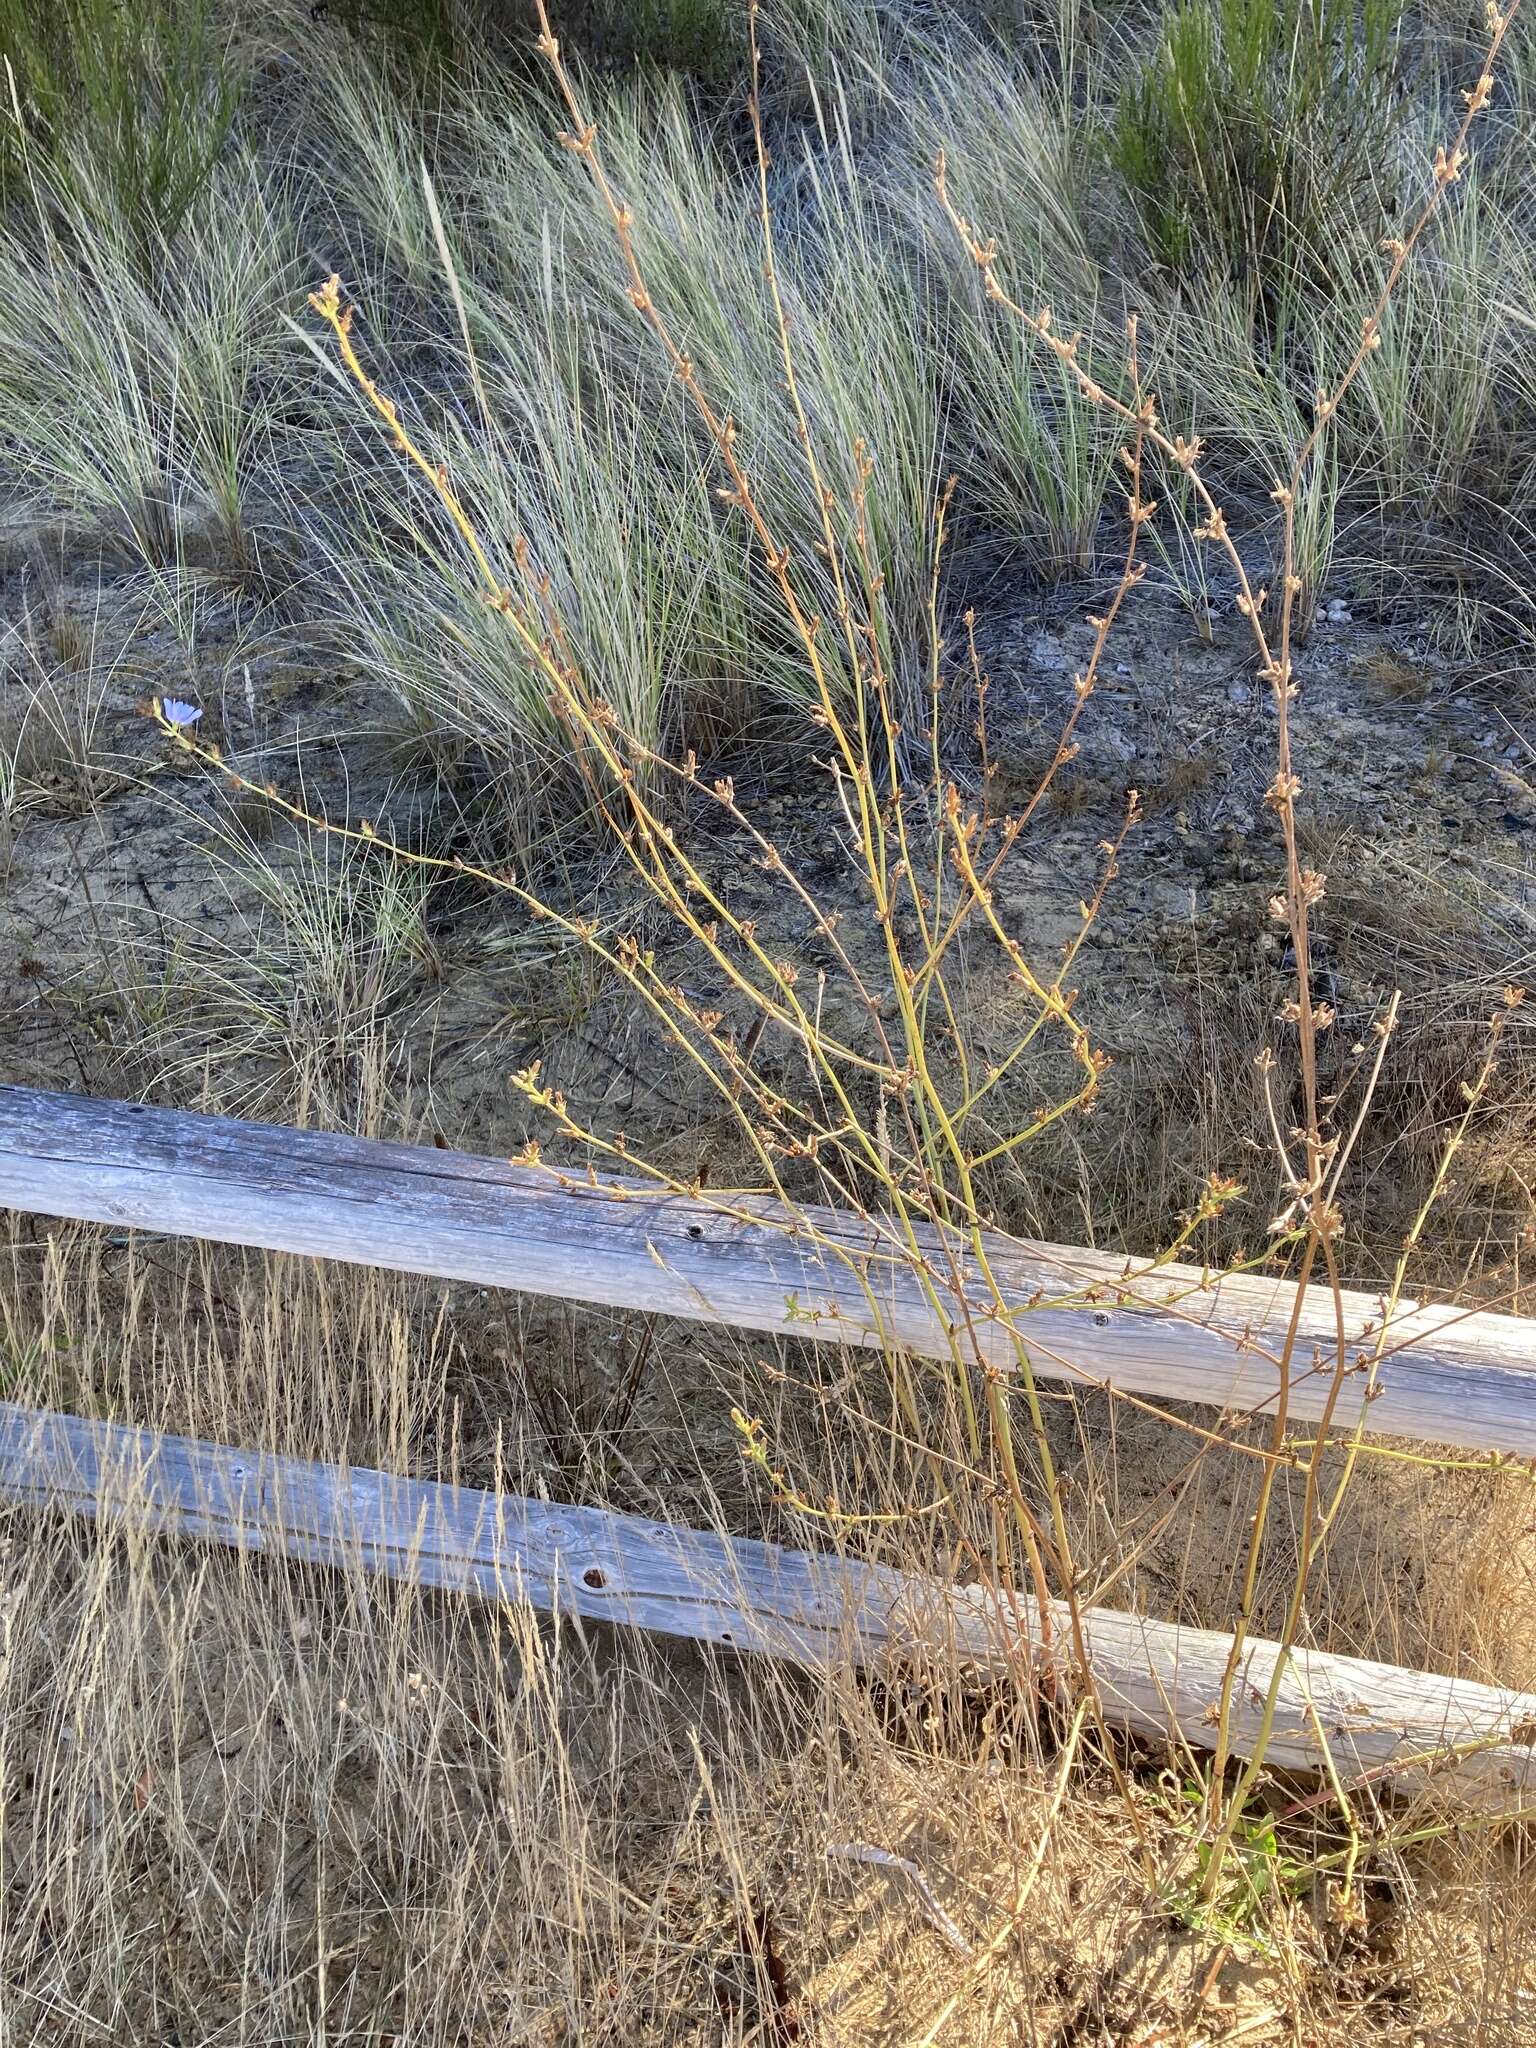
[(1111, 745), (1240, 693), (1518, 793)]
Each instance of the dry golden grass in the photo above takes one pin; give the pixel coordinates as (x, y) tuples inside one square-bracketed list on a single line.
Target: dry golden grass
[(252, 1802)]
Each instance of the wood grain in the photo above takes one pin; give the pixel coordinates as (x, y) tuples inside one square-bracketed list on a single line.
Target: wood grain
[(1473, 1743), (745, 1263)]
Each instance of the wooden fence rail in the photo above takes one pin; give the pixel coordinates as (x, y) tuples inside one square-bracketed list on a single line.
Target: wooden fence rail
[(743, 1262), (1391, 1727)]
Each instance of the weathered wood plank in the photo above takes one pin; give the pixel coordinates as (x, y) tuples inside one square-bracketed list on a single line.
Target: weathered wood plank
[(1451, 1377), (1403, 1727)]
